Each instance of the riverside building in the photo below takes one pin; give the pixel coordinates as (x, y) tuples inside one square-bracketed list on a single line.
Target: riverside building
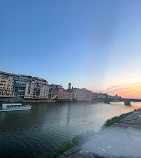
[(52, 90), (83, 94), (72, 92), (6, 85), (62, 94), (29, 87), (23, 86), (37, 88), (20, 84)]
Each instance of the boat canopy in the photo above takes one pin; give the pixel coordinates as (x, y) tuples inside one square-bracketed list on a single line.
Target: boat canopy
[(5, 105), (12, 104)]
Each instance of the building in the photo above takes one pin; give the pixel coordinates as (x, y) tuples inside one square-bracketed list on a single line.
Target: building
[(57, 92), (37, 88), (6, 85), (95, 96), (29, 87), (83, 94), (20, 82), (52, 90), (71, 90), (72, 93), (44, 91), (62, 94), (102, 95), (23, 86), (115, 97), (99, 97)]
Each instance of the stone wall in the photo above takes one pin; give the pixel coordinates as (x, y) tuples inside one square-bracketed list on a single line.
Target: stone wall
[(22, 100)]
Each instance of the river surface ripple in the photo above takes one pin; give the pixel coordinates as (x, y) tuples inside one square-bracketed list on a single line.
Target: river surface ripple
[(28, 134)]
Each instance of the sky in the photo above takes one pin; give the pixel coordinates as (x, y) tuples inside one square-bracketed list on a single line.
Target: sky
[(93, 44)]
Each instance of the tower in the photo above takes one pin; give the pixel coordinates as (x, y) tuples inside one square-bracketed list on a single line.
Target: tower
[(69, 86)]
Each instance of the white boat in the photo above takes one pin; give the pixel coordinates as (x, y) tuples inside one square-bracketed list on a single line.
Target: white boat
[(14, 106)]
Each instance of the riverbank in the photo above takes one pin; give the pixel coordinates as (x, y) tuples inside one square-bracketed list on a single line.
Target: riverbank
[(116, 119), (121, 139), (71, 145), (23, 100)]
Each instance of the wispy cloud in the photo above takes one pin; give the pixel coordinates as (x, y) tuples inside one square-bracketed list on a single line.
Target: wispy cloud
[(132, 90)]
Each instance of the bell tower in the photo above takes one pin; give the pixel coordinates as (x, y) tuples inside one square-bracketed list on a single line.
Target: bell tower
[(69, 86)]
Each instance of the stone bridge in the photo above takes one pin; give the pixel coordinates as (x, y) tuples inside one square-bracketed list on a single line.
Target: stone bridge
[(128, 101), (125, 100)]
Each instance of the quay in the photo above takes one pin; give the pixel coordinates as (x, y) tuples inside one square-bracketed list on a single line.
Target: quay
[(121, 140)]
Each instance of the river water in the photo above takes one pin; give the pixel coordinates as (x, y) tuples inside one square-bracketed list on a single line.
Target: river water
[(28, 134)]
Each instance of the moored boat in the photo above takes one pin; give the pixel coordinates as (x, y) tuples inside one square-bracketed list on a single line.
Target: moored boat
[(14, 106)]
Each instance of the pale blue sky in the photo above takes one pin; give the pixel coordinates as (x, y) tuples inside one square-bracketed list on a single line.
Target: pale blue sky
[(90, 43)]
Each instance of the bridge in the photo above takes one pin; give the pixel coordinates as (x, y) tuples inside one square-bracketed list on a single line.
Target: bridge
[(128, 101), (125, 100)]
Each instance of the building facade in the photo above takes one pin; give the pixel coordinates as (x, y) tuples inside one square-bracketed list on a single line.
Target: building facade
[(6, 85), (53, 90), (62, 94), (20, 82), (37, 88), (23, 86), (29, 87), (83, 94), (72, 92)]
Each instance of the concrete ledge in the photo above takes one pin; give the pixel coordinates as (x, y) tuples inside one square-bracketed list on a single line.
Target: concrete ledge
[(61, 156), (82, 155), (72, 151)]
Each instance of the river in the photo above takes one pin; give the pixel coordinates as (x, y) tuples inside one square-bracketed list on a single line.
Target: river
[(28, 134)]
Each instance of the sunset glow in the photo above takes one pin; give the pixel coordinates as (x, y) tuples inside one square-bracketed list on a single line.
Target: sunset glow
[(127, 91)]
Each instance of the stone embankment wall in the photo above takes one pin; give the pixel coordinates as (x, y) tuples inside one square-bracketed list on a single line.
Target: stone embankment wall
[(22, 100), (121, 140)]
